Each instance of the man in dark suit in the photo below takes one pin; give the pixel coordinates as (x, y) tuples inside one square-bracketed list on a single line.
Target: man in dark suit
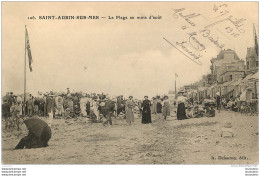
[(6, 112), (120, 104), (110, 105)]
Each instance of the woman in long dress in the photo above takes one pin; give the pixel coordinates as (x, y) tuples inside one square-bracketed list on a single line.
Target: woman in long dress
[(166, 107), (159, 105), (59, 104), (95, 109), (146, 111), (129, 110), (154, 106), (181, 114), (83, 103)]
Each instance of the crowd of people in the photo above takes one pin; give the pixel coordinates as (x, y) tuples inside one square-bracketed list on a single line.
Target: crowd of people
[(95, 107), (238, 104), (101, 108), (242, 103)]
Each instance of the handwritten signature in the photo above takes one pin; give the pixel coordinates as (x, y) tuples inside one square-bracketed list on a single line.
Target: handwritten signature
[(186, 51), (193, 46), (186, 17)]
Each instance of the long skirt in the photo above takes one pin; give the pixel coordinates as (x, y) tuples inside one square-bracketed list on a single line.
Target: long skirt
[(154, 108), (45, 110), (83, 109), (50, 119), (181, 114), (129, 115), (146, 117), (96, 112), (159, 108), (166, 111)]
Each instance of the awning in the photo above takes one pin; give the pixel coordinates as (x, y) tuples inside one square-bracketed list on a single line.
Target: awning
[(254, 76), (250, 78), (200, 89), (247, 78), (235, 83), (213, 86), (227, 83)]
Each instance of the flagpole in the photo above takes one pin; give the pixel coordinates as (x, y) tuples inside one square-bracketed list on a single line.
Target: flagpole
[(24, 71)]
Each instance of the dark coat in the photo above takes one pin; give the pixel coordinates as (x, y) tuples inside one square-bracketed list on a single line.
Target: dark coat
[(5, 110), (88, 108), (146, 112), (33, 141), (110, 106)]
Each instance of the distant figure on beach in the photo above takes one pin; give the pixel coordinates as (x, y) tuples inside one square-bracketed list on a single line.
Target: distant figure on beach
[(166, 107), (129, 110), (120, 105), (218, 101), (159, 105), (109, 108), (6, 113), (210, 112), (146, 111), (154, 106), (181, 114), (50, 107)]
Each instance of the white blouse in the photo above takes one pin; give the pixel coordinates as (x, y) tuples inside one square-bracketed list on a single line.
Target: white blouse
[(181, 99)]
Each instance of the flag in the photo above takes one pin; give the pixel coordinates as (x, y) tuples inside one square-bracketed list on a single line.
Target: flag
[(29, 51), (256, 41), (176, 75)]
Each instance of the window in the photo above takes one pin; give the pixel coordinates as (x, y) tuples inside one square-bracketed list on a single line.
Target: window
[(247, 65), (256, 63)]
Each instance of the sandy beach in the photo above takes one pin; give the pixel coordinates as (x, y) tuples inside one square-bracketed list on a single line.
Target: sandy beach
[(192, 141)]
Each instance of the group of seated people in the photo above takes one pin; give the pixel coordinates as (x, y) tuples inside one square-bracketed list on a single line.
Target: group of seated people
[(238, 105), (197, 111)]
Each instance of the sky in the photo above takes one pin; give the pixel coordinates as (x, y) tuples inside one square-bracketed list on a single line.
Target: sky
[(115, 56)]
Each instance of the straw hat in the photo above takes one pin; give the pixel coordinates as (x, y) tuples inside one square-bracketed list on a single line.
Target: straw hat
[(181, 91)]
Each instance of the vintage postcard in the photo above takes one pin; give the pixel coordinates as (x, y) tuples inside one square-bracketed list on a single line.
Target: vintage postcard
[(130, 83)]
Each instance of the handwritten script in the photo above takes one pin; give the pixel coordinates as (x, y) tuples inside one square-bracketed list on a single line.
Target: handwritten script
[(199, 32)]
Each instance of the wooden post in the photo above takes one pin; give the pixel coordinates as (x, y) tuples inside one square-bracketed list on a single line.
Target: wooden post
[(24, 72)]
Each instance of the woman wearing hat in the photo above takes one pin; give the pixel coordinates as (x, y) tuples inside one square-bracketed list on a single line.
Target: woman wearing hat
[(129, 110), (218, 101), (95, 109), (159, 105), (166, 107), (154, 106), (181, 114), (146, 112)]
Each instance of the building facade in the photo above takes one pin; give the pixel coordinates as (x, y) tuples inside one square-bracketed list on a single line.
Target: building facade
[(226, 60), (251, 60)]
